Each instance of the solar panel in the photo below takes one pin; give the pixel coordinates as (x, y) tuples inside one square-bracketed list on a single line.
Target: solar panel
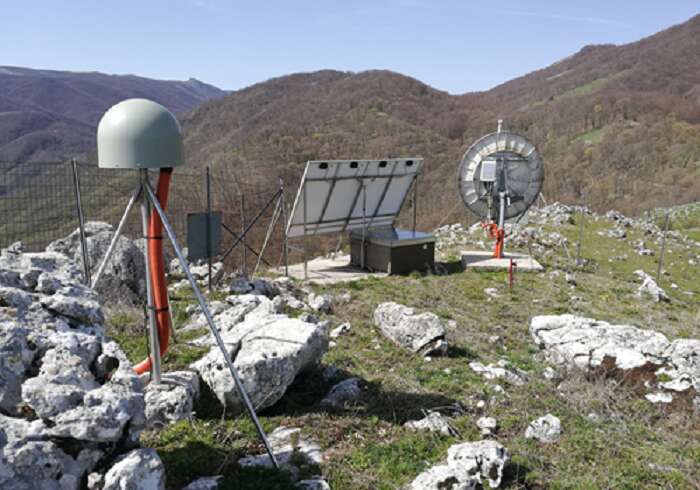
[(340, 195)]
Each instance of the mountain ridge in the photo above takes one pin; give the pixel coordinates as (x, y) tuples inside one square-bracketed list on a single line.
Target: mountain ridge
[(44, 113), (623, 119)]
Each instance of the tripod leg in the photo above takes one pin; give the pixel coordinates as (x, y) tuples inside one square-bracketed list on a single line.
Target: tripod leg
[(210, 322), (116, 236)]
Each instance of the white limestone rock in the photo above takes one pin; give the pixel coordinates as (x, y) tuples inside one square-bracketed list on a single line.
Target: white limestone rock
[(80, 310), (340, 330), (313, 484), (649, 287), (172, 399), (205, 483), (140, 469), (432, 422), (578, 342), (487, 425), (468, 465), (56, 364), (269, 351), (545, 429), (498, 371), (423, 333), (123, 279), (320, 302), (659, 397)]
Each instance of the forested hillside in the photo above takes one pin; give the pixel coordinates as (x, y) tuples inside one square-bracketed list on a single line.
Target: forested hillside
[(52, 115), (618, 126)]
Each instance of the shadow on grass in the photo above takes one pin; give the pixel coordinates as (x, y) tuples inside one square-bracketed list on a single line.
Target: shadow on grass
[(515, 476), (196, 459), (455, 351), (305, 394), (449, 268)]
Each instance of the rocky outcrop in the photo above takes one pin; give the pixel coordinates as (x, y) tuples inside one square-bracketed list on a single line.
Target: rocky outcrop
[(646, 356), (123, 278), (468, 464), (421, 333), (69, 398)]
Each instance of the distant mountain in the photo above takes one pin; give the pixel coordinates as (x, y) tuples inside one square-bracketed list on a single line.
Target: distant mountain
[(52, 115), (618, 126)]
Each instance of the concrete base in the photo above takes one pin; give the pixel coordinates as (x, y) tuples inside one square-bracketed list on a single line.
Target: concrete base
[(484, 261), (325, 270)]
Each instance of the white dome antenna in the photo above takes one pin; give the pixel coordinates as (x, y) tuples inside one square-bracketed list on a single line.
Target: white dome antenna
[(139, 133)]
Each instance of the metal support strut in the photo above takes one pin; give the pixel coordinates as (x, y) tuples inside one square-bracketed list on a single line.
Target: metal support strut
[(81, 222), (210, 321)]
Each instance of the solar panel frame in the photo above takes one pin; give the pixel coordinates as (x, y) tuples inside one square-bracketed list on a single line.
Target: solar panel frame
[(330, 200)]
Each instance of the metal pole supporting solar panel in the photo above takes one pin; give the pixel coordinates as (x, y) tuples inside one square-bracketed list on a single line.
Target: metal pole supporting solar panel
[(268, 234), (306, 258), (364, 210), (212, 326), (81, 222)]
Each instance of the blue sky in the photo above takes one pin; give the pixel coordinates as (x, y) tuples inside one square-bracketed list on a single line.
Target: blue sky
[(457, 46)]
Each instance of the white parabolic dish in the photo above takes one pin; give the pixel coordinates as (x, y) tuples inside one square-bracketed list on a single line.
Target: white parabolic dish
[(523, 167)]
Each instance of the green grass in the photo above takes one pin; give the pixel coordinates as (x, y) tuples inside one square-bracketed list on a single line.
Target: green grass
[(630, 443)]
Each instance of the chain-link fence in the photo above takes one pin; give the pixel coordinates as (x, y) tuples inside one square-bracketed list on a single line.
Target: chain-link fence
[(38, 205)]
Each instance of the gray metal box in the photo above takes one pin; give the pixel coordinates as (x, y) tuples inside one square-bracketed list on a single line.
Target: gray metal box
[(393, 251), (197, 235)]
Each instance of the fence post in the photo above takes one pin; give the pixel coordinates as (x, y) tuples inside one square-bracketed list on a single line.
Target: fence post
[(81, 222), (663, 247), (208, 191), (579, 248), (284, 228), (243, 233)]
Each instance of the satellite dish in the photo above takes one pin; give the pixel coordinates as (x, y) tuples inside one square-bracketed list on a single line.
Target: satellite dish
[(500, 177)]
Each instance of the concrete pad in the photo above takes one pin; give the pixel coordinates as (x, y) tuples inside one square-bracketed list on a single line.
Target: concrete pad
[(328, 270), (484, 261)]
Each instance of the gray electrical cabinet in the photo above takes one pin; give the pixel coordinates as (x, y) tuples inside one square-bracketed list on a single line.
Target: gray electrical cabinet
[(392, 250)]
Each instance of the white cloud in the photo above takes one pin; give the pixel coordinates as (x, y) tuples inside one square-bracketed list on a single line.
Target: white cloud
[(574, 18)]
